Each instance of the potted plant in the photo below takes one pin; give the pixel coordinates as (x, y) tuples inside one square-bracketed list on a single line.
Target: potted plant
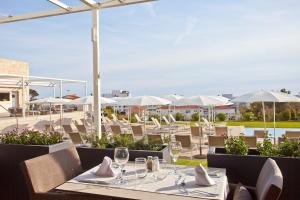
[(16, 147), (92, 156), (245, 165)]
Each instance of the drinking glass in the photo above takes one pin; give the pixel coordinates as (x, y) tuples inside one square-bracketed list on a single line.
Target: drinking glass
[(121, 157), (140, 166), (174, 149)]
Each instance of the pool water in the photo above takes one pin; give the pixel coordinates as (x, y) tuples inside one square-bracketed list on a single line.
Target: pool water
[(278, 131)]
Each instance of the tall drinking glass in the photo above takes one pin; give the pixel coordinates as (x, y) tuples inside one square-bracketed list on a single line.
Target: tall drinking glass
[(121, 157), (140, 166), (175, 149)]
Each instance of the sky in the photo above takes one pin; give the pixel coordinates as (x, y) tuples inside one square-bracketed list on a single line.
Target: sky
[(187, 47)]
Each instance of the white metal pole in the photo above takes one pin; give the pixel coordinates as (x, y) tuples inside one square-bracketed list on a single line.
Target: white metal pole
[(274, 109), (61, 106), (264, 117), (54, 92), (85, 89), (96, 72), (23, 98)]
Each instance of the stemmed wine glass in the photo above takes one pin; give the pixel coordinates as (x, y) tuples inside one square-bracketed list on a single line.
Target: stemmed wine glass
[(121, 157), (174, 149)]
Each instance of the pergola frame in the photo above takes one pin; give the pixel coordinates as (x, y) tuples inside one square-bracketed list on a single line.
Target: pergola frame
[(87, 5), (20, 81)]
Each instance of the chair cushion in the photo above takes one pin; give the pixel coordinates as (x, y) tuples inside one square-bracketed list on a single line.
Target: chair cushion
[(241, 193), (270, 175)]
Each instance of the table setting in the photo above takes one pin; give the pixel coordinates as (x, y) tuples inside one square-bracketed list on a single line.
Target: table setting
[(154, 175)]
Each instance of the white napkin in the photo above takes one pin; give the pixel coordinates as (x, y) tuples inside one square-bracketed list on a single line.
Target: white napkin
[(105, 168), (202, 178)]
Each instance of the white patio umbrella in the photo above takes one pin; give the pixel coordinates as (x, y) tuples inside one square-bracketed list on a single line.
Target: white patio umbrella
[(173, 98), (89, 100), (143, 101), (51, 101), (266, 96)]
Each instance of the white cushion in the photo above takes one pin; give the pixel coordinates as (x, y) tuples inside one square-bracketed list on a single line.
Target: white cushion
[(269, 175), (241, 193)]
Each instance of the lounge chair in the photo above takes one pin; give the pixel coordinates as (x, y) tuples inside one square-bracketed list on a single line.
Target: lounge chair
[(216, 141), (81, 128), (76, 138), (221, 130), (154, 137), (250, 141), (137, 130), (186, 144), (67, 128), (268, 186), (174, 127), (292, 134), (44, 173), (260, 133), (207, 124), (116, 129), (49, 128), (172, 118), (138, 119)]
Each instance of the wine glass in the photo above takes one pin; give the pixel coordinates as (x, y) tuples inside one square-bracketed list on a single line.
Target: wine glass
[(140, 166), (174, 149), (121, 157)]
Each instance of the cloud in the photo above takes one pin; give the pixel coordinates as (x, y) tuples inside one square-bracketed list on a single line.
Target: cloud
[(190, 25)]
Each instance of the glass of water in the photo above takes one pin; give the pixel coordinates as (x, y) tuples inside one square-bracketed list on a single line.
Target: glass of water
[(175, 149), (121, 157), (140, 166)]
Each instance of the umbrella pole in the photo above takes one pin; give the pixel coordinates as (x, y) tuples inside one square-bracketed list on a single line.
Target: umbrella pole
[(264, 117), (274, 117)]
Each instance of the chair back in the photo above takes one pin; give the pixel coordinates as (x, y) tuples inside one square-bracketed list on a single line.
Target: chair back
[(250, 141), (156, 123), (154, 137), (185, 140), (114, 117), (46, 172), (75, 138), (221, 130), (67, 128), (103, 129), (81, 128), (49, 128), (166, 120), (196, 131), (138, 119), (172, 118), (292, 134), (216, 141), (260, 133), (270, 181), (137, 130), (116, 129)]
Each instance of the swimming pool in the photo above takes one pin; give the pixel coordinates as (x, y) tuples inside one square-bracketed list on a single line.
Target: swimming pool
[(278, 131)]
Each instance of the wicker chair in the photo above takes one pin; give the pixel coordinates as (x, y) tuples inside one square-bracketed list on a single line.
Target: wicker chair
[(43, 174), (216, 141), (292, 134), (221, 130), (260, 133)]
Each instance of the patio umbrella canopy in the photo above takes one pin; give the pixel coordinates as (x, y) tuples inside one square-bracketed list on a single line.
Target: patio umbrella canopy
[(202, 100), (172, 97), (143, 101), (89, 100), (266, 96)]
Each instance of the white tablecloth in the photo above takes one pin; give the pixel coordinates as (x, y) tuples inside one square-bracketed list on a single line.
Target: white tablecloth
[(163, 182)]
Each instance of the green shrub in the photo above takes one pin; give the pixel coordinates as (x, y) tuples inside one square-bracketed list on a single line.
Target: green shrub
[(290, 148), (133, 119), (221, 117), (248, 116), (30, 137), (179, 117), (266, 148), (126, 141), (236, 146), (285, 115), (298, 116), (195, 117)]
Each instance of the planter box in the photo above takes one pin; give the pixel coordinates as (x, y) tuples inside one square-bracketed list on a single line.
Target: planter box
[(90, 157), (246, 169), (12, 184)]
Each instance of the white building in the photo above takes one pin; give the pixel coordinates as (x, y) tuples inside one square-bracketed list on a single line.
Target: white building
[(117, 93)]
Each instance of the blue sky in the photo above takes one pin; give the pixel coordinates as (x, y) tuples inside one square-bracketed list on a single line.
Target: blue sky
[(170, 46)]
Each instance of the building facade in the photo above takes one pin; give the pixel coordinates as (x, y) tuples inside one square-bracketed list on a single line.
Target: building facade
[(11, 90)]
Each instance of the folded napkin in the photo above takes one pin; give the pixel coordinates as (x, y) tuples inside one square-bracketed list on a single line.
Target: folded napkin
[(202, 178), (105, 168)]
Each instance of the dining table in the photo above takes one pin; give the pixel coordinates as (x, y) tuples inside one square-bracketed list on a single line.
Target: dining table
[(161, 185)]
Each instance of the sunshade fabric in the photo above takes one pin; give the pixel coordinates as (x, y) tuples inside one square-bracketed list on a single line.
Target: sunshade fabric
[(143, 101)]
